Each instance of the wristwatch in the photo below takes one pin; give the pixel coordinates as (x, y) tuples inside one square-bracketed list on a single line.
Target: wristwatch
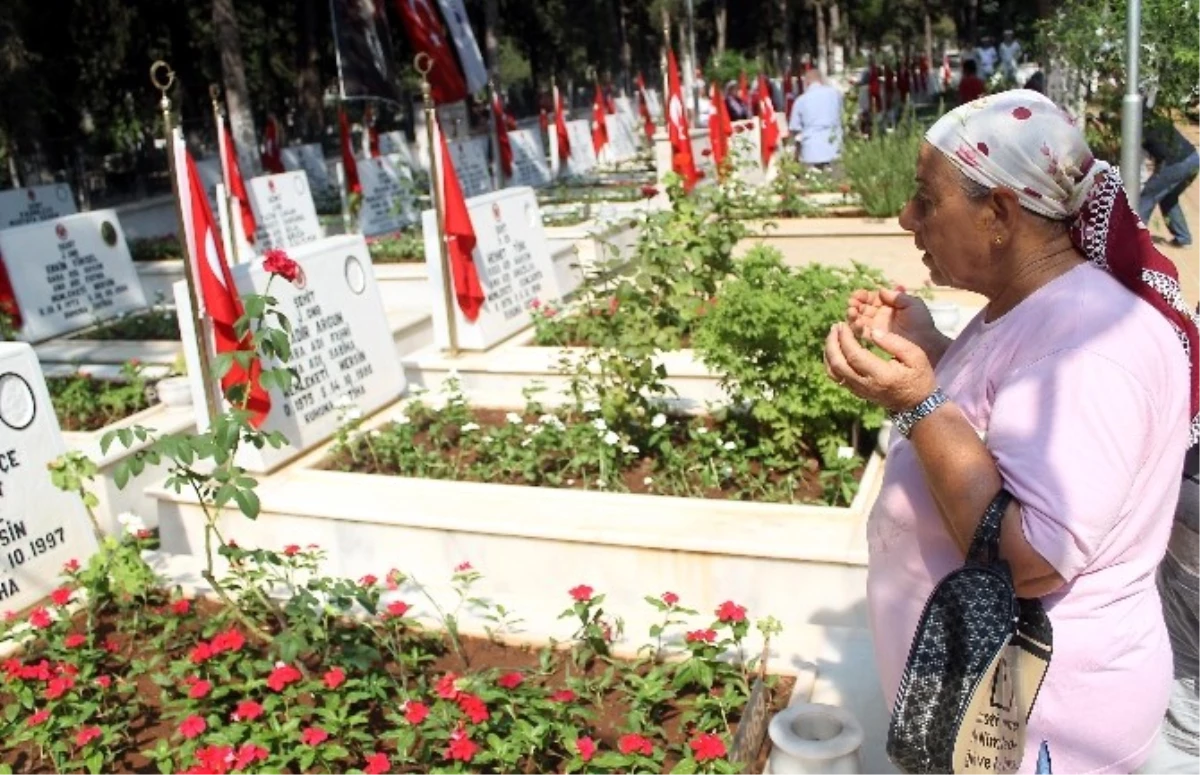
[(904, 421)]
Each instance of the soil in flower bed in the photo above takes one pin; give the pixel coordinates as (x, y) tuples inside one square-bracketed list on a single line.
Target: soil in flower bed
[(85, 403)]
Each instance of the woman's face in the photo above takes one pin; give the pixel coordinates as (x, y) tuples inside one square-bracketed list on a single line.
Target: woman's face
[(947, 226)]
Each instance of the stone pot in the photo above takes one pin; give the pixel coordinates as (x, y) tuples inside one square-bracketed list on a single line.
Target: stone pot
[(174, 391), (810, 737)]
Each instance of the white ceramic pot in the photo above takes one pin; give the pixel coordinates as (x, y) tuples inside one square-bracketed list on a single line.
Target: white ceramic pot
[(174, 391), (810, 737), (946, 315)]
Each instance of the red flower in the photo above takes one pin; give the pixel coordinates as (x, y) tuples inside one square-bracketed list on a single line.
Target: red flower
[(74, 640), (415, 712), (461, 747), (335, 678), (706, 152), (563, 695), (111, 645), (394, 579), (983, 148), (181, 607), (474, 708), (368, 580), (707, 747), (61, 596), (213, 759), (71, 566), (314, 736), (582, 593), (66, 668), (230, 640), (463, 567), (104, 681), (586, 747), (281, 676), (670, 598), (248, 754), (192, 726), (630, 744), (445, 687), (377, 764), (613, 304), (1022, 113), (397, 608), (701, 636), (247, 710), (201, 652), (277, 262), (291, 550), (39, 717), (59, 686), (649, 192), (199, 690), (731, 612), (510, 680), (39, 618), (87, 735)]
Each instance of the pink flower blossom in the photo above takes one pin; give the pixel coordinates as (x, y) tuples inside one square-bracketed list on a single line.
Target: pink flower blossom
[(670, 598), (247, 710), (731, 612), (586, 747), (581, 593)]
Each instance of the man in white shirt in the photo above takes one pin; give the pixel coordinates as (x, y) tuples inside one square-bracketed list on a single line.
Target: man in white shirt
[(986, 55), (816, 120), (1010, 55)]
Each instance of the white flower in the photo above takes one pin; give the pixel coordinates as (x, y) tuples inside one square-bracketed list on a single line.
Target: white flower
[(601, 484), (845, 453), (526, 442), (401, 419), (514, 418), (531, 428), (468, 427), (417, 390), (630, 449), (132, 523), (726, 470), (374, 434), (659, 420), (611, 438), (488, 439), (702, 430), (730, 445), (552, 421), (351, 413), (570, 482), (649, 480), (591, 406), (599, 424)]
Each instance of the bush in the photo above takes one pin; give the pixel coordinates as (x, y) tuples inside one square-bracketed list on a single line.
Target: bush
[(881, 168)]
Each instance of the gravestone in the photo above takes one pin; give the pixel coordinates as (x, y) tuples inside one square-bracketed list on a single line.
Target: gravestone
[(745, 146), (583, 156), (283, 206), (311, 159), (394, 143), (388, 196), (22, 206), (342, 348), (530, 167), (515, 269), (624, 105), (621, 141), (70, 273), (654, 103), (702, 154), (469, 155), (42, 528)]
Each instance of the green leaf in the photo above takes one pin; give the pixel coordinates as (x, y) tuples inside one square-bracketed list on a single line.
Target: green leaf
[(247, 501), (121, 474), (685, 767)]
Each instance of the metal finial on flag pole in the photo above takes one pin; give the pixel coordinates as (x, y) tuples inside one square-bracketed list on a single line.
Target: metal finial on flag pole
[(424, 63), (163, 78)]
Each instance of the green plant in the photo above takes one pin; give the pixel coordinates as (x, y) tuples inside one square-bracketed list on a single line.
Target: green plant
[(881, 168), (155, 323), (85, 403), (407, 246), (156, 249)]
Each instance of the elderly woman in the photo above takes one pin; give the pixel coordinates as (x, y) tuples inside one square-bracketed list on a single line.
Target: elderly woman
[(1070, 389)]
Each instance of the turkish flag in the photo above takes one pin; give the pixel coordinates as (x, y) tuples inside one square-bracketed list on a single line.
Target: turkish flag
[(460, 238), (272, 155), (644, 107), (682, 161), (350, 166), (599, 128), (506, 152), (8, 297), (215, 287), (560, 126), (237, 186), (766, 115), (428, 36), (720, 128)]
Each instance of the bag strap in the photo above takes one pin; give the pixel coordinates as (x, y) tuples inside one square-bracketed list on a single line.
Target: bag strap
[(985, 546)]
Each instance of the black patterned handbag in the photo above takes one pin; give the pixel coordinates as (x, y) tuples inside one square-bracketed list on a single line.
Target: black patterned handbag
[(974, 669)]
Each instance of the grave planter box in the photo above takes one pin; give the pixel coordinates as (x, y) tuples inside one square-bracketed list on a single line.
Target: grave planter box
[(157, 278)]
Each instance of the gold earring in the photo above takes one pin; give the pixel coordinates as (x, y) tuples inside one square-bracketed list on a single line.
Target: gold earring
[(999, 240)]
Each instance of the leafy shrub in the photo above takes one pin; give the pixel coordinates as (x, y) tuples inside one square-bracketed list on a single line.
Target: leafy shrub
[(407, 246), (881, 168), (766, 337)]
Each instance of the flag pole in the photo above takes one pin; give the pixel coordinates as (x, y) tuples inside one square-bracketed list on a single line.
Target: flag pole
[(214, 92), (163, 78), (552, 131), (497, 165), (424, 63)]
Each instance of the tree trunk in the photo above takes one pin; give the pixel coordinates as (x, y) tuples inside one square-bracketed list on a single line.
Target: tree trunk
[(721, 17), (835, 37), (928, 37), (666, 46), (822, 51), (491, 40), (310, 118), (237, 97), (779, 37), (626, 49)]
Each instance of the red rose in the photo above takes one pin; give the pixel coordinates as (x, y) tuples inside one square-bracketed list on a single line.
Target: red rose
[(368, 580), (213, 759), (510, 680), (586, 747), (202, 652), (104, 681), (291, 550), (334, 678), (61, 596), (707, 747), (71, 566), (283, 675), (314, 736), (377, 764), (461, 747), (731, 612), (74, 640), (630, 744), (670, 598), (111, 645), (87, 735), (277, 262), (415, 712), (247, 710), (192, 726), (230, 640), (649, 192), (581, 593), (398, 608)]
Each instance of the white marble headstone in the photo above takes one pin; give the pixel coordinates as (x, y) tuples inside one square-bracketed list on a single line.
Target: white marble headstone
[(394, 143), (515, 269), (284, 209), (311, 159), (745, 145), (21, 206), (70, 273), (654, 103), (702, 154), (583, 156), (388, 196), (42, 528), (530, 167), (469, 155), (621, 141), (342, 346)]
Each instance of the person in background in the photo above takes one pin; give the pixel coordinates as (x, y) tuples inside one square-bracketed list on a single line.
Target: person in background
[(1010, 55), (816, 120), (738, 110), (971, 87), (987, 56), (1175, 166)]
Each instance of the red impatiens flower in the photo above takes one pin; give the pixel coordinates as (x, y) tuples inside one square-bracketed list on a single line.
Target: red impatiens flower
[(201, 652), (582, 593), (394, 579), (397, 608), (71, 566), (104, 681), (61, 596), (314, 736), (731, 612), (192, 726), (87, 735), (213, 759), (181, 607), (334, 678), (247, 710), (40, 619), (563, 695), (291, 550), (670, 598), (630, 744), (707, 747), (200, 689), (415, 712), (74, 640), (586, 747), (281, 676), (510, 680), (473, 707), (277, 262), (701, 636), (111, 645), (368, 580), (39, 717), (248, 754), (377, 764), (445, 687), (230, 640), (58, 686), (461, 747), (463, 567)]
